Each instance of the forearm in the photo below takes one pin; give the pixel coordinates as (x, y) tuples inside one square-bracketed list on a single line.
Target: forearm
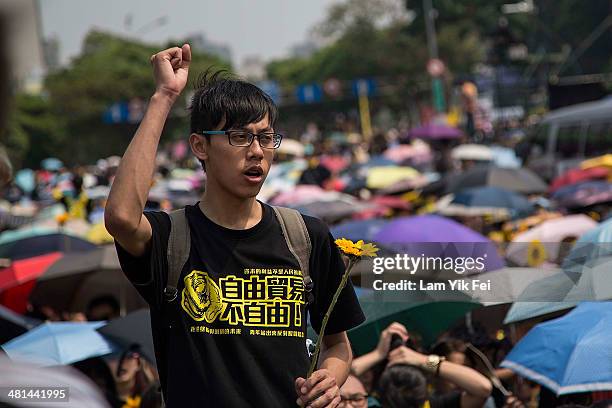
[(337, 359), (363, 363), (470, 380), (131, 186)]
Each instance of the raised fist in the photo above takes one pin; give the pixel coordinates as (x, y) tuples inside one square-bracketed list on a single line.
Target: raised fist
[(171, 68)]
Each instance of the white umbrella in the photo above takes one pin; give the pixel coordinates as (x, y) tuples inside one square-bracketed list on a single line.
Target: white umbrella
[(472, 152), (506, 284), (291, 147)]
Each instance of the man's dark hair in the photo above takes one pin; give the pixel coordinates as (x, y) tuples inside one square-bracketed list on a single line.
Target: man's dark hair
[(403, 386), (221, 97)]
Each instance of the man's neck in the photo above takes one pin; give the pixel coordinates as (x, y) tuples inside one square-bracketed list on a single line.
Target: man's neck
[(230, 211)]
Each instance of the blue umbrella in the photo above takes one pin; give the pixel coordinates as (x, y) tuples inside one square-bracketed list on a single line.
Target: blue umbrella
[(51, 164), (493, 197), (570, 354), (59, 343), (591, 246), (583, 194), (356, 230)]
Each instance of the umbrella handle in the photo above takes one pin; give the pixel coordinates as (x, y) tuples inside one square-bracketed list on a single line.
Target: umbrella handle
[(494, 379)]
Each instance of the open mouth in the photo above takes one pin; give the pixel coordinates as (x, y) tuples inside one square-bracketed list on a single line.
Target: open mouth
[(254, 174)]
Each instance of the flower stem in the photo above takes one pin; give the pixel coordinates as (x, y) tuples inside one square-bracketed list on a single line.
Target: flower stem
[(315, 357)]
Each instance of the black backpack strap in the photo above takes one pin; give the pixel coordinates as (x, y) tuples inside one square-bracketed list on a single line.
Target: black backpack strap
[(179, 244), (298, 241)]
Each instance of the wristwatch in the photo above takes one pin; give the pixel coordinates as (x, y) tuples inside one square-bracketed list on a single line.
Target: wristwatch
[(432, 365)]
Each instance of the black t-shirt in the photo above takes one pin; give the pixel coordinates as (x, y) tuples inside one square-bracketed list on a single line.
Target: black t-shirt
[(238, 328)]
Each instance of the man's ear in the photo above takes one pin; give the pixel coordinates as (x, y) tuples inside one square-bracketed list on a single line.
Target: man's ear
[(199, 146)]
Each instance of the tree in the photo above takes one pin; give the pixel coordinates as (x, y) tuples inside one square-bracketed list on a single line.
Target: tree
[(110, 69), (34, 132)]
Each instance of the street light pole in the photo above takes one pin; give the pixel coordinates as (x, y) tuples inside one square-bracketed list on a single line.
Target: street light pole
[(437, 88), (432, 42)]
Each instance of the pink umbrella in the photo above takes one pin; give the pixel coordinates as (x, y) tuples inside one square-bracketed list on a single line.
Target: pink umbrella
[(303, 194), (549, 234), (419, 152)]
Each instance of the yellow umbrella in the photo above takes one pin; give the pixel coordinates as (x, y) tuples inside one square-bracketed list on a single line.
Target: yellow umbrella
[(99, 235), (384, 176), (600, 161)]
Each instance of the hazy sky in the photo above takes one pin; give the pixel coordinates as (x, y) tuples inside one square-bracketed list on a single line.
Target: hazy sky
[(264, 27)]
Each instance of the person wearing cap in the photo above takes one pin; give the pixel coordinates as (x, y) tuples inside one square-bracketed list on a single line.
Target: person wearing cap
[(232, 333)]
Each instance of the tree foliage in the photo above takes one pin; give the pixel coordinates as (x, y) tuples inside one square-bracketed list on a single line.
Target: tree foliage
[(67, 123)]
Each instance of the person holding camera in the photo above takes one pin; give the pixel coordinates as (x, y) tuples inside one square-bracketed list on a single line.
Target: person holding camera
[(404, 383)]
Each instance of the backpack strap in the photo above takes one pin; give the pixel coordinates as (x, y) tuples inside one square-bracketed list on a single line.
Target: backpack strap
[(298, 241), (179, 244)]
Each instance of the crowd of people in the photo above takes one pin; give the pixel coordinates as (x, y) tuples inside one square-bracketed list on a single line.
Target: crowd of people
[(337, 175)]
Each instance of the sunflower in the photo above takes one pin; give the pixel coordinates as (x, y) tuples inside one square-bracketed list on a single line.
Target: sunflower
[(536, 253), (356, 249)]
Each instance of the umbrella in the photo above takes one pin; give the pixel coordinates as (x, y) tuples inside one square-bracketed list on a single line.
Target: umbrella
[(600, 161), (583, 194), (485, 201), (81, 391), (435, 236), (291, 147), (333, 211), (432, 131), (356, 230), (59, 343), (591, 246), (570, 354), (51, 164), (134, 328), (417, 151), (304, 194), (406, 185), (415, 310), (507, 284), (475, 152), (563, 290), (505, 157), (381, 177), (76, 279), (575, 176), (13, 324), (25, 270), (517, 180), (550, 234), (27, 243)]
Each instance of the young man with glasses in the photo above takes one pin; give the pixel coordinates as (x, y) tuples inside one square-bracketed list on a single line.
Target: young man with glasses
[(232, 334)]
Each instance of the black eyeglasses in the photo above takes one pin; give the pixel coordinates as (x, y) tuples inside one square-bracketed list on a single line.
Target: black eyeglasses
[(242, 138), (357, 400)]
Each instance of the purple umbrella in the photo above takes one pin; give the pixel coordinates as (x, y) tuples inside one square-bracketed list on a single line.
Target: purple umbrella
[(432, 131), (435, 236)]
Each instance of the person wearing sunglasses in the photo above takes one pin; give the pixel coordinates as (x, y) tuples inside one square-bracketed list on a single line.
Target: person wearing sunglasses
[(232, 333)]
